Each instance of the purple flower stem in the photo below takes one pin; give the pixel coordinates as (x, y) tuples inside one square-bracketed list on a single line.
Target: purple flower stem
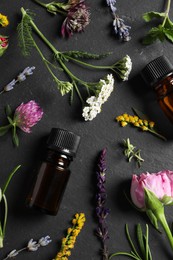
[(101, 211)]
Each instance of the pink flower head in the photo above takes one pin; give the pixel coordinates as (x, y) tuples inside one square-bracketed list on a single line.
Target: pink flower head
[(27, 115), (3, 44), (78, 17), (161, 184)]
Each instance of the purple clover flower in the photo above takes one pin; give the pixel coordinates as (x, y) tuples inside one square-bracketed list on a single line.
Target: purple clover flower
[(101, 211), (27, 115), (78, 17)]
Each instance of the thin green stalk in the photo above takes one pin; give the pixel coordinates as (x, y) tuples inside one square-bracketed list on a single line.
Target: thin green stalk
[(157, 134), (5, 219), (88, 64), (126, 254), (130, 241), (9, 179), (166, 12), (78, 92)]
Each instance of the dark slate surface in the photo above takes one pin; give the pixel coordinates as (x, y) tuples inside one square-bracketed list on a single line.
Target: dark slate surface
[(103, 131)]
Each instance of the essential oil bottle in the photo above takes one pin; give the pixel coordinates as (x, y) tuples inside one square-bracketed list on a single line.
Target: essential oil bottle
[(52, 177), (159, 75)]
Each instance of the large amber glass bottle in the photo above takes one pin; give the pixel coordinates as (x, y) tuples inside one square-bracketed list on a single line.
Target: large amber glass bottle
[(159, 75)]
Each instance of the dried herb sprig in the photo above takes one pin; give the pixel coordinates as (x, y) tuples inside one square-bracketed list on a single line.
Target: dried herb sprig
[(143, 243), (3, 200), (131, 152), (164, 30), (68, 242), (32, 246), (121, 30), (21, 77), (101, 211)]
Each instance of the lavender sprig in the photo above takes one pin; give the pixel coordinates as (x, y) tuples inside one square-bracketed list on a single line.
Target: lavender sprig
[(21, 77), (101, 211), (31, 246), (121, 30)]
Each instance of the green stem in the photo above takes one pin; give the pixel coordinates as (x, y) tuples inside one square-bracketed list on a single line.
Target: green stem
[(166, 12), (125, 254), (9, 179), (59, 5), (88, 64), (157, 134), (162, 219), (40, 33), (5, 215)]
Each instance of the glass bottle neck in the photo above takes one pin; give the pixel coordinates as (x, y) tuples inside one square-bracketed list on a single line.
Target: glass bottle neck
[(58, 159)]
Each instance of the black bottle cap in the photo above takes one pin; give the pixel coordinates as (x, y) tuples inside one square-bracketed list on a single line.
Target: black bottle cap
[(156, 70), (63, 141)]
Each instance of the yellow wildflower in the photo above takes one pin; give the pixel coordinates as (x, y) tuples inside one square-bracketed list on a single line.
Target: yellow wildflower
[(151, 124), (144, 128), (143, 124), (70, 239), (3, 20), (123, 123)]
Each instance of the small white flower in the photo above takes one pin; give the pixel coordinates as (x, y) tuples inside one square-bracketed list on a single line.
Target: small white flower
[(32, 245), (44, 241), (96, 102), (128, 67), (13, 253)]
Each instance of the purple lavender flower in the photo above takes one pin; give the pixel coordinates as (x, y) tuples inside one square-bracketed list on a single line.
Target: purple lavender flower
[(101, 211), (121, 30), (27, 115), (112, 4), (78, 17)]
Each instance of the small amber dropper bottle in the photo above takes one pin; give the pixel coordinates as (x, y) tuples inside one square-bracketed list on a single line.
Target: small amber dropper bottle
[(51, 180), (159, 75)]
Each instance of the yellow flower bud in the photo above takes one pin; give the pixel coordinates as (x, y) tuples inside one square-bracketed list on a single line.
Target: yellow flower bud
[(144, 128), (123, 123)]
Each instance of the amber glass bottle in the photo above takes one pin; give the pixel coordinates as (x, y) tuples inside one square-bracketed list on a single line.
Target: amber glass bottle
[(51, 180), (159, 75)]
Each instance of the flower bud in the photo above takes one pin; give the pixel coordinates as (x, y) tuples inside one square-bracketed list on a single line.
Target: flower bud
[(3, 44)]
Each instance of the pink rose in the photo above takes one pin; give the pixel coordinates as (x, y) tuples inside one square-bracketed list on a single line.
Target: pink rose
[(161, 184)]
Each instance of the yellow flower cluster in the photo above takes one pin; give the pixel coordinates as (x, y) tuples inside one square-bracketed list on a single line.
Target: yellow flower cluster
[(3, 20), (68, 242), (126, 119)]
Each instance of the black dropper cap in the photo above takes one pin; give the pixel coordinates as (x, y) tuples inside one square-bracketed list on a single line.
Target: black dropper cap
[(63, 141), (156, 70)]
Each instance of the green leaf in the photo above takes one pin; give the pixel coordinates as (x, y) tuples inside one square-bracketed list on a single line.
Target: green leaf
[(15, 137), (140, 239), (24, 30), (8, 110), (167, 200), (169, 34), (156, 33), (140, 114), (168, 24), (4, 129), (85, 55), (151, 15)]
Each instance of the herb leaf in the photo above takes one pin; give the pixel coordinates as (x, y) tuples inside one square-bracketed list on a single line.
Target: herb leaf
[(151, 15)]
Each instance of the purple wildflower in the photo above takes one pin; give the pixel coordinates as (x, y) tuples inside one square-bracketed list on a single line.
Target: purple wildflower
[(27, 115), (121, 30), (112, 4), (78, 17), (101, 211)]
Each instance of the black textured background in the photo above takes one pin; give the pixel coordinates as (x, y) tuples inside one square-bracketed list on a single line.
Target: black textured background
[(103, 131)]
